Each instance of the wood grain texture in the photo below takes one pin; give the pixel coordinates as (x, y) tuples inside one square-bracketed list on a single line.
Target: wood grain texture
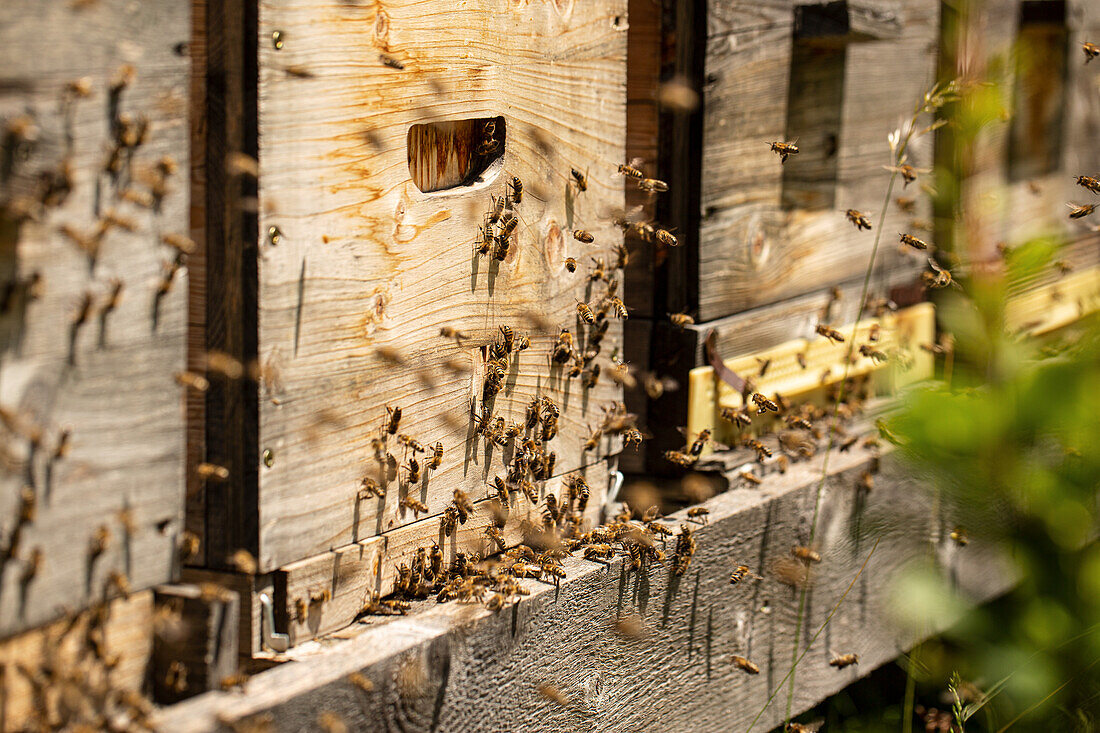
[(365, 260), (195, 642), (106, 381), (459, 666), (752, 252), (348, 576)]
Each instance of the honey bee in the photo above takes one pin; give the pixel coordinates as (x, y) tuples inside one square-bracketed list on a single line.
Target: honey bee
[(516, 186), (679, 458), (495, 536), (593, 441), (415, 505), (1080, 212), (913, 241), (907, 172), (751, 478), (685, 550), (585, 313), (700, 442), (793, 727), (448, 523), (740, 573), (652, 185), (681, 320), (570, 264), (563, 349), (740, 417), (805, 554), (763, 404), (762, 451), (509, 336), (844, 660), (413, 471), (619, 307), (582, 236), (632, 170), (452, 333), (698, 513), (598, 551), (591, 377), (1092, 184), (393, 419), (959, 536), (745, 665), (368, 487), (666, 238), (502, 491), (437, 457), (489, 142), (906, 204), (830, 333), (233, 681), (508, 225), (783, 150), (411, 443), (580, 179), (211, 472), (939, 278), (633, 438), (1091, 51), (244, 562), (795, 421), (858, 218), (523, 342), (391, 62)]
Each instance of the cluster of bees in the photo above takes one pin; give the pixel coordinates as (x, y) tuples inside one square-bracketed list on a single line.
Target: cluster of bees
[(409, 470)]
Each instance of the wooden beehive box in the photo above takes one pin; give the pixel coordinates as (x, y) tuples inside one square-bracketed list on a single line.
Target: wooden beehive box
[(384, 139), (93, 282), (765, 245)]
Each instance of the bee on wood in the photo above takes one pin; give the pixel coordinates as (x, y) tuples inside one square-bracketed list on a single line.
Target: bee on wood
[(805, 554), (795, 421), (393, 419), (959, 537), (751, 478), (509, 336), (415, 505), (685, 550), (740, 418), (679, 458), (1091, 51), (830, 333), (523, 342), (783, 150), (449, 521), (436, 460), (844, 660), (745, 665), (763, 404), (1080, 212), (563, 349), (740, 573), (859, 219), (368, 487), (489, 142), (699, 514), (391, 62), (413, 470), (762, 451), (912, 241), (591, 377), (411, 443), (579, 178), (681, 320), (814, 727), (652, 185), (508, 225), (585, 313), (516, 186), (598, 551), (495, 537), (570, 264), (666, 238), (582, 236), (700, 442), (502, 491)]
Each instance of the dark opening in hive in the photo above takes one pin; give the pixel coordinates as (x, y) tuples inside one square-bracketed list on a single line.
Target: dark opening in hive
[(455, 153)]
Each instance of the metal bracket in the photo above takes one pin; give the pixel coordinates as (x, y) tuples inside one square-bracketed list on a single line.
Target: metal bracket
[(272, 639)]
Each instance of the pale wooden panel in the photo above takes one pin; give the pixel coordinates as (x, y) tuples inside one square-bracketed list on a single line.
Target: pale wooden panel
[(366, 260), (752, 252), (108, 381), (460, 667)]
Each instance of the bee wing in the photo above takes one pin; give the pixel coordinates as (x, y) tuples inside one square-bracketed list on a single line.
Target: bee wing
[(718, 446), (933, 265)]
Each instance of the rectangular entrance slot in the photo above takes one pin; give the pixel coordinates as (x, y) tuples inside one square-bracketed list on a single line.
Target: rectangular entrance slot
[(455, 153)]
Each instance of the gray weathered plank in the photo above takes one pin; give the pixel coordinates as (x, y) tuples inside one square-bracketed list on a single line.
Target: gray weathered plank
[(107, 381)]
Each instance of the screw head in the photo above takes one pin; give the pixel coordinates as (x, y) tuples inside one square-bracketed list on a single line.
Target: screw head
[(274, 235), (269, 458), (277, 40)]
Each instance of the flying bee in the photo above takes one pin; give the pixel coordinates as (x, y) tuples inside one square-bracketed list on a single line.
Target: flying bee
[(912, 241), (698, 513), (906, 204), (666, 238), (516, 186), (579, 178), (622, 256), (763, 404), (633, 170), (858, 218), (1092, 184), (633, 438), (463, 505), (740, 573), (593, 441), (652, 185), (368, 487), (805, 554), (907, 172), (599, 270), (783, 150), (570, 264), (582, 236), (959, 537), (590, 377), (585, 313), (745, 665), (830, 333), (939, 278), (679, 458), (681, 320), (762, 451), (452, 333), (1091, 51), (844, 660), (1080, 212), (393, 419), (619, 307), (413, 471), (523, 342), (437, 457), (751, 478), (739, 418), (875, 355)]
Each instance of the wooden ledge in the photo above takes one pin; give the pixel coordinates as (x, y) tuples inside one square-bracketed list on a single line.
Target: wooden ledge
[(462, 667)]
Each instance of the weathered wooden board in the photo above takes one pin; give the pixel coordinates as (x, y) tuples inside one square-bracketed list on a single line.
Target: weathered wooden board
[(52, 675), (753, 250), (363, 259), (325, 593), (194, 642), (460, 667), (93, 421)]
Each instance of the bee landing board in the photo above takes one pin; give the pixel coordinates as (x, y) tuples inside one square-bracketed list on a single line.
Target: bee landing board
[(93, 283), (360, 268)]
